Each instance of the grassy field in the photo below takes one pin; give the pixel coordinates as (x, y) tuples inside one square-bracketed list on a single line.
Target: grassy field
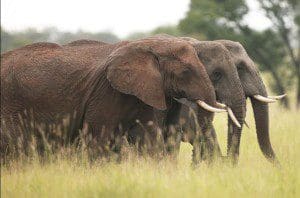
[(135, 177)]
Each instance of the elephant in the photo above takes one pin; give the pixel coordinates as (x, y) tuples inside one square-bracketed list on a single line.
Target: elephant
[(108, 87), (228, 88), (224, 77), (253, 88)]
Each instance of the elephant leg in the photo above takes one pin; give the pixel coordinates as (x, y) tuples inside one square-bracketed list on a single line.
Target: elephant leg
[(152, 141), (16, 135), (204, 139), (211, 146), (196, 137), (9, 138), (148, 139), (100, 141), (172, 139), (173, 130), (233, 144), (146, 134), (204, 148), (217, 149), (134, 136)]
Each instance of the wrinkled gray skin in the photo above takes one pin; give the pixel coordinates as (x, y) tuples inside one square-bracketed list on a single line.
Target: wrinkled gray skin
[(252, 85)]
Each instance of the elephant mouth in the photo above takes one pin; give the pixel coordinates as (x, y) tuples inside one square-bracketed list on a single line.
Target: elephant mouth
[(220, 107), (199, 103), (228, 108), (230, 113)]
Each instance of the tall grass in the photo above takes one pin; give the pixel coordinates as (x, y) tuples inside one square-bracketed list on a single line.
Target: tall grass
[(70, 175)]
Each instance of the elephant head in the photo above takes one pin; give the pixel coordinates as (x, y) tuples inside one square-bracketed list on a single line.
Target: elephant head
[(254, 89), (155, 70), (228, 88)]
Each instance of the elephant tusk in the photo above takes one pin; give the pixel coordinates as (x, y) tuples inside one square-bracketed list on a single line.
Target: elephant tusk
[(277, 97), (209, 108), (264, 99), (231, 115), (233, 118), (221, 105)]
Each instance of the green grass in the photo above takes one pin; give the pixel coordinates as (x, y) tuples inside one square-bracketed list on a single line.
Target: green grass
[(136, 177)]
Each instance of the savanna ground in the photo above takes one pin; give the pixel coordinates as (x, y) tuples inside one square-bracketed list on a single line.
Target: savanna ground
[(67, 176)]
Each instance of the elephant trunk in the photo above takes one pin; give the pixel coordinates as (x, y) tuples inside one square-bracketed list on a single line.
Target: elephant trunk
[(261, 116), (202, 140), (234, 132)]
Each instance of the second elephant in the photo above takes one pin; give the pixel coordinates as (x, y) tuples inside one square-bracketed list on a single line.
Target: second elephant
[(253, 88)]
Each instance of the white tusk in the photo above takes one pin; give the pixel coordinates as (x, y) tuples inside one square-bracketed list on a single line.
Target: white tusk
[(209, 108), (277, 97), (233, 118), (221, 105), (264, 99)]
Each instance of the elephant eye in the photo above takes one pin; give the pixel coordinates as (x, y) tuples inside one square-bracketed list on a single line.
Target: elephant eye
[(186, 72), (216, 76), (241, 66)]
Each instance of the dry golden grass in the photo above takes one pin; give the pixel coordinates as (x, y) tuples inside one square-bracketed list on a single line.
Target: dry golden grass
[(66, 176)]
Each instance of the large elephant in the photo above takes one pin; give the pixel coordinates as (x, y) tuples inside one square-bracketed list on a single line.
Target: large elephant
[(107, 85)]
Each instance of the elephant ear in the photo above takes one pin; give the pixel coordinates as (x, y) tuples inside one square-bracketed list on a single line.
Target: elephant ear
[(135, 71)]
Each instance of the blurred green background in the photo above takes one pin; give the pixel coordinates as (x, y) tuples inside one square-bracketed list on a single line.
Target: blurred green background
[(276, 48)]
